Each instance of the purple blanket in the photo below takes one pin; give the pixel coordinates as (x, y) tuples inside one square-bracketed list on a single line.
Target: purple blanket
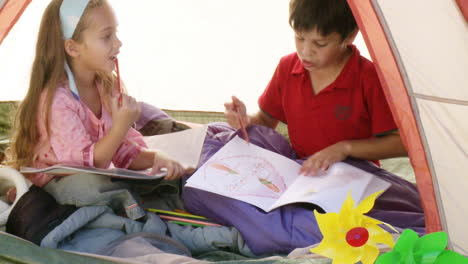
[(292, 226)]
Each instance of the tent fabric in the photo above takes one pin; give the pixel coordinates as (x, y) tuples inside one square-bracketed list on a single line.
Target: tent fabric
[(463, 4), (399, 102), (422, 65), (421, 61), (10, 12)]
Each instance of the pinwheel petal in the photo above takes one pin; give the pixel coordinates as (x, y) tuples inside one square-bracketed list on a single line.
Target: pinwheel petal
[(368, 203), (432, 242), (406, 241), (379, 235), (451, 257), (370, 220), (348, 206), (369, 254), (349, 256), (351, 236), (326, 250), (327, 223), (429, 247)]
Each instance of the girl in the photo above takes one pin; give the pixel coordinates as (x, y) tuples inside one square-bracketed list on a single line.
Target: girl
[(75, 106)]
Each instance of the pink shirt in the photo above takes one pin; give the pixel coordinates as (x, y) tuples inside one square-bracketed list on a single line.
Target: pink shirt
[(74, 130)]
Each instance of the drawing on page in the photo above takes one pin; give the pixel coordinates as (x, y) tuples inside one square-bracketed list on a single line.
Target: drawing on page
[(244, 175), (223, 167)]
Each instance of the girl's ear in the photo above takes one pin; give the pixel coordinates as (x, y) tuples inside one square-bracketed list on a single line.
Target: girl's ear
[(71, 48)]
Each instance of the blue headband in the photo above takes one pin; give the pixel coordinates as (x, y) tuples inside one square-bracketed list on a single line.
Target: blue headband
[(70, 15)]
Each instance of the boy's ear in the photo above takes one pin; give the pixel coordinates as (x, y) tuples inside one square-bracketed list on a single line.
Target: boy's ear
[(71, 48), (351, 37)]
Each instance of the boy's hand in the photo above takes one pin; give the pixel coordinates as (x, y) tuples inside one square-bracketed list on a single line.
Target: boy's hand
[(127, 113), (322, 160), (235, 112), (173, 168)]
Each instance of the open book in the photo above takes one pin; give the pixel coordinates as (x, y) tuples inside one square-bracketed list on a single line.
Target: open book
[(184, 146), (268, 180), (62, 169)]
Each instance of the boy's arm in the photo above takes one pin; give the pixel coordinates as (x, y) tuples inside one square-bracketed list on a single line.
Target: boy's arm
[(263, 119), (383, 147), (236, 111)]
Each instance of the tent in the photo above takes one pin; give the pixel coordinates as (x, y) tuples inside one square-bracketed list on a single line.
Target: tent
[(419, 48)]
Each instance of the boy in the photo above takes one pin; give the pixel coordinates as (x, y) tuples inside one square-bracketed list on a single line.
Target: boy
[(329, 95)]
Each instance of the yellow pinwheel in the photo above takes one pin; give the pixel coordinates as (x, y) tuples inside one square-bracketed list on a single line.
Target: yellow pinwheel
[(350, 236)]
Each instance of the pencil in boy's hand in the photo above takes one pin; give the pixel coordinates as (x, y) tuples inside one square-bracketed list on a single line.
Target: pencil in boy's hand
[(119, 89), (242, 125)]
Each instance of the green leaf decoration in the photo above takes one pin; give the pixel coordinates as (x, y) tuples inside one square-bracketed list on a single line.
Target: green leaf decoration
[(387, 258), (406, 241), (429, 247), (451, 257), (403, 250)]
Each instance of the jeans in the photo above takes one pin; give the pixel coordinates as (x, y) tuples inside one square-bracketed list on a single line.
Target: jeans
[(83, 189)]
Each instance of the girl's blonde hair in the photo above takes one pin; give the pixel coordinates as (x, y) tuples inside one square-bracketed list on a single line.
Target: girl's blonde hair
[(47, 74)]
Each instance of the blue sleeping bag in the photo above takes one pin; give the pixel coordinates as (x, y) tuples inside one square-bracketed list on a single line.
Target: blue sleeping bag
[(292, 226)]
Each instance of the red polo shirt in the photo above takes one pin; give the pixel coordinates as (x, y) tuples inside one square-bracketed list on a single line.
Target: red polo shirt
[(352, 107)]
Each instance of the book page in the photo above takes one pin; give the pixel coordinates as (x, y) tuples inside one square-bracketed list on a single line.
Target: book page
[(183, 146), (330, 189), (246, 172), (62, 169)]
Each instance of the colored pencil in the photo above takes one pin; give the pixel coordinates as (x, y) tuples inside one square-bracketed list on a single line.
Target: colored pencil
[(119, 89), (242, 125), (185, 223), (187, 220), (182, 211), (175, 213)]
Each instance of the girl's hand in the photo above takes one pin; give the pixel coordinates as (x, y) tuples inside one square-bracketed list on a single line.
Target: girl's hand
[(125, 113), (321, 161), (236, 111), (173, 168)]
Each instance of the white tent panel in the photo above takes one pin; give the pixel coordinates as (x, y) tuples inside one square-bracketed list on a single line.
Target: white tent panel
[(446, 133), (432, 42), (17, 52), (178, 54)]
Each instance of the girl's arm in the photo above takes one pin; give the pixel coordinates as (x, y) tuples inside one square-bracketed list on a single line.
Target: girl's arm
[(123, 118), (388, 146), (143, 160), (107, 146), (157, 160)]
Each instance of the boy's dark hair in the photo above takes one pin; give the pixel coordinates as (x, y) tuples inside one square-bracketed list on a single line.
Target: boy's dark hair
[(327, 16)]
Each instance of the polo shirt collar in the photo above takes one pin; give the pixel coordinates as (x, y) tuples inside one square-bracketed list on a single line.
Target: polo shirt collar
[(349, 72), (298, 68), (343, 80)]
